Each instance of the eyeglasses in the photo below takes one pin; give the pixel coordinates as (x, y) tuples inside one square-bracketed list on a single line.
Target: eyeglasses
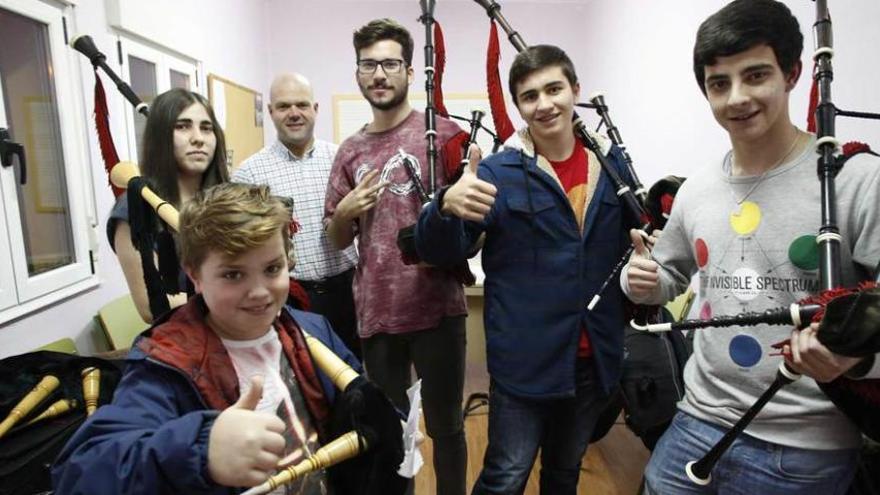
[(389, 65)]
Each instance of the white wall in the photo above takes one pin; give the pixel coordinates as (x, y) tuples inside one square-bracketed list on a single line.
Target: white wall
[(228, 36), (637, 51), (314, 37), (646, 71)]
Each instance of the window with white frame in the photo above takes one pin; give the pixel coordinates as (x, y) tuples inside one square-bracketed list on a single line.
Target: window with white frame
[(152, 70), (44, 191)]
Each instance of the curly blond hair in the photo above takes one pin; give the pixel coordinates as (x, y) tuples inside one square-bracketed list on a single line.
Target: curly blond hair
[(232, 219)]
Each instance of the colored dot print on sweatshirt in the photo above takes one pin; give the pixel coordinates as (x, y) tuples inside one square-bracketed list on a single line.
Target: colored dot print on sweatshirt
[(705, 311), (747, 219), (804, 252), (745, 350), (702, 251)]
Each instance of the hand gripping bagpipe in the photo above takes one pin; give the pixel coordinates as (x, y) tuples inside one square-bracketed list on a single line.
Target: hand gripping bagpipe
[(643, 216), (657, 201), (849, 318), (364, 419)]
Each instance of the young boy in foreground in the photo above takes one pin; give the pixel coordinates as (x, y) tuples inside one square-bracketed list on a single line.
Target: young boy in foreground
[(223, 388)]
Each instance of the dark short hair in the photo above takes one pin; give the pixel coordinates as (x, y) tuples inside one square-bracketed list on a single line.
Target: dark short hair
[(158, 164), (742, 25), (535, 58), (384, 29)]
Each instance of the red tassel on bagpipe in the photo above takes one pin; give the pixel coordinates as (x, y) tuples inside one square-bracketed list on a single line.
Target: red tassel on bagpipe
[(105, 139), (503, 127), (439, 66), (814, 104)]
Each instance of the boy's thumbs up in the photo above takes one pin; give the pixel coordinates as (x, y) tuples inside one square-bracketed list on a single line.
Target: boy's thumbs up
[(251, 397)]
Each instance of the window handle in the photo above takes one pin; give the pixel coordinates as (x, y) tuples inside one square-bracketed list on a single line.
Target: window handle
[(8, 149)]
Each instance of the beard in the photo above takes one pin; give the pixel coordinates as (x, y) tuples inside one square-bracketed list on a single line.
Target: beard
[(395, 101)]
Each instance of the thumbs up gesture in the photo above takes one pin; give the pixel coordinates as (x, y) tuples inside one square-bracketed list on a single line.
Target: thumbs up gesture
[(470, 198), (244, 446), (642, 275)]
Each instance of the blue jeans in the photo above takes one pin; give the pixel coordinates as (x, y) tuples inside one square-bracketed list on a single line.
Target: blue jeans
[(750, 466), (561, 428)]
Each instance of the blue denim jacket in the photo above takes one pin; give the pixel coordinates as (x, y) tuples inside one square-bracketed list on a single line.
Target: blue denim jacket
[(540, 274), (153, 438)]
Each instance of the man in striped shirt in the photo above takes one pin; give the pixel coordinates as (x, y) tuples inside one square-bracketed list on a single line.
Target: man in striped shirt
[(297, 166)]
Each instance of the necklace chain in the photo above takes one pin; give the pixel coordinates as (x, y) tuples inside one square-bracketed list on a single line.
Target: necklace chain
[(764, 173)]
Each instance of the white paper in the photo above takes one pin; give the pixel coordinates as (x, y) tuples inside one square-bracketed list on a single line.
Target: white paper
[(412, 456)]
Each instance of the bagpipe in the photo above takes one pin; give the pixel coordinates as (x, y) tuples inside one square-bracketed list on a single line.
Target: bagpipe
[(44, 397), (635, 199), (657, 201), (652, 367), (849, 318), (368, 436), (434, 64), (633, 203), (364, 457), (86, 45), (148, 236)]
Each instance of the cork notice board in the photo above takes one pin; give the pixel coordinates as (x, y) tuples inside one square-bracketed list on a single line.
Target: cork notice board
[(240, 111)]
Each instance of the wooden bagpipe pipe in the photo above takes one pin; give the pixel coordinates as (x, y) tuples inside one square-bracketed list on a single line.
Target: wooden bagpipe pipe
[(24, 408), (364, 423), (44, 397), (376, 433), (849, 319)]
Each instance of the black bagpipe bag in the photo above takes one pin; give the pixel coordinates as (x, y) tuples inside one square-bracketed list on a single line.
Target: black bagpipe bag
[(27, 451)]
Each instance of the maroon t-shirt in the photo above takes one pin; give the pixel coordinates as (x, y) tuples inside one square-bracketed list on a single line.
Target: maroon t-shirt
[(392, 297)]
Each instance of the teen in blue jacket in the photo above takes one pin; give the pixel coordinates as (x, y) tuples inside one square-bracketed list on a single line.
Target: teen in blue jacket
[(554, 229)]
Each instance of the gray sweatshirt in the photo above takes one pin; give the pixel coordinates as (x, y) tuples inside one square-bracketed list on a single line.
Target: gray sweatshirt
[(752, 241)]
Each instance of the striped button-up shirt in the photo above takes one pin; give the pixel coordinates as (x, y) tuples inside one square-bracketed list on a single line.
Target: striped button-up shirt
[(305, 180)]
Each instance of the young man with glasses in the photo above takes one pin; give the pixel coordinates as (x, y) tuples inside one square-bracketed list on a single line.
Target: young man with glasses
[(407, 314)]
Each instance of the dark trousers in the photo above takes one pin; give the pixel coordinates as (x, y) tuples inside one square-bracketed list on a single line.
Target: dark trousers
[(332, 298), (439, 357)]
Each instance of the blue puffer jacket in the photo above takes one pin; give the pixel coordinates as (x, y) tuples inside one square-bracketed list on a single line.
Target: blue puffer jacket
[(540, 273), (153, 437)]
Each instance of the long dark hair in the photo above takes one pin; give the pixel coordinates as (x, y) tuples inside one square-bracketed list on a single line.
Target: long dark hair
[(158, 164)]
